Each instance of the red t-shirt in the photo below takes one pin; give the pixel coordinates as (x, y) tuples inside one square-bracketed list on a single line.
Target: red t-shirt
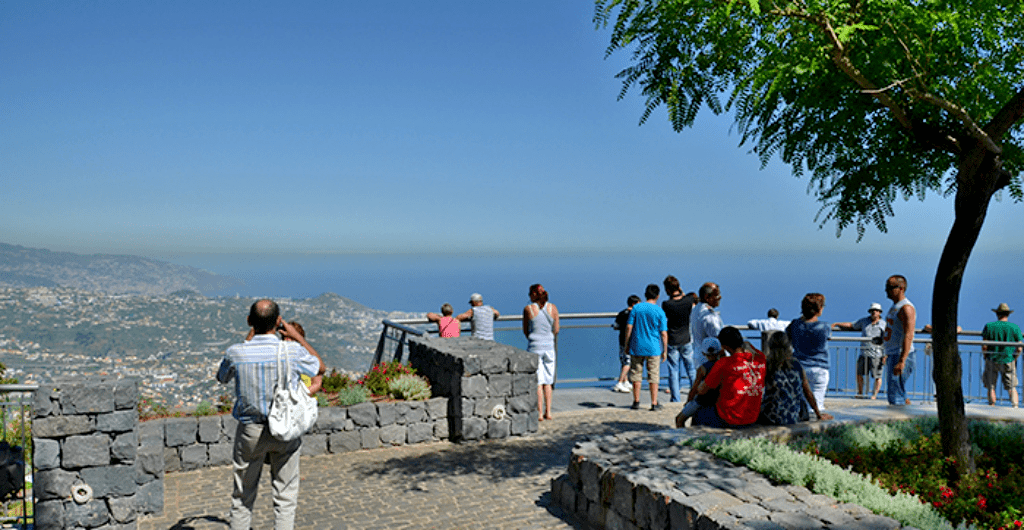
[(740, 379)]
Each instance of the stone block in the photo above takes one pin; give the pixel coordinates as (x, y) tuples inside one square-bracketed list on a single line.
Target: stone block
[(87, 399), (47, 453), (331, 419), (520, 424), (484, 408), (124, 447), (473, 428), (221, 453), (83, 451), (499, 385), (622, 495), (419, 432), (314, 444), (802, 521), (442, 430), (369, 438), (651, 508), (151, 433), (499, 429), (110, 481), (193, 456), (343, 442), (42, 405), (596, 513), (228, 426), (387, 413), (172, 462), (524, 385), (88, 515), (180, 431), (150, 461), (437, 408), (61, 426), (523, 362), (49, 515), (122, 509), (363, 414), (474, 387), (393, 434), (54, 484), (126, 394), (495, 362), (471, 365), (590, 479), (150, 498), (118, 421), (209, 429)]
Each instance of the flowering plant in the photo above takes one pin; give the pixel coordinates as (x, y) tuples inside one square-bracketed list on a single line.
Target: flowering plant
[(378, 380)]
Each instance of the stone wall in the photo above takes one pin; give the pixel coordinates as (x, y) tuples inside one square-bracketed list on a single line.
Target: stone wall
[(492, 387), (88, 473)]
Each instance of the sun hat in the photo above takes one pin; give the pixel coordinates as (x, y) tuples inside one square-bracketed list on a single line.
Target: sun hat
[(476, 297), (875, 307), (1003, 308)]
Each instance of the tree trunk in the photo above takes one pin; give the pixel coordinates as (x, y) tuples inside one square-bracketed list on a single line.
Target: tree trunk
[(976, 183)]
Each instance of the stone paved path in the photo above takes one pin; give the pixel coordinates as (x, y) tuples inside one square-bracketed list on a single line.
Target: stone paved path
[(500, 484)]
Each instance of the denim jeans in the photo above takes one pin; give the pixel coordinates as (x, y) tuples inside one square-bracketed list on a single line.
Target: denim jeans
[(679, 354), (896, 389)]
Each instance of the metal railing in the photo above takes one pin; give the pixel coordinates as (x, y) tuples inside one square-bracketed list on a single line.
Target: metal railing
[(16, 430), (844, 349)]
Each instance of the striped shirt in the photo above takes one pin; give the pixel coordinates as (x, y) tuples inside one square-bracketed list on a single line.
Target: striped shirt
[(253, 366)]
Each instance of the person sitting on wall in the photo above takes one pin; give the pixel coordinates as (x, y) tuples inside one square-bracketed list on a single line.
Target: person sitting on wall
[(739, 379), (712, 351), (784, 384), (447, 325)]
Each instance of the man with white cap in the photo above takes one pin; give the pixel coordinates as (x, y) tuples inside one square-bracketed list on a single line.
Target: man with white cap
[(481, 316), (871, 361), (1001, 361)]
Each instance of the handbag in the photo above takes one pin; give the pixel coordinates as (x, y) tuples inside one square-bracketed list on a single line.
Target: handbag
[(293, 411)]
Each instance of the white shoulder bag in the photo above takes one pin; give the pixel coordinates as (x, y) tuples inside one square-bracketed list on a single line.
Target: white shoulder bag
[(293, 411)]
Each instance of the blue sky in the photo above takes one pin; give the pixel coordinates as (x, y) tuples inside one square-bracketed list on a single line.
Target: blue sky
[(168, 128)]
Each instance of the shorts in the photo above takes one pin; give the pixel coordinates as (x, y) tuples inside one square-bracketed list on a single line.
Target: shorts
[(636, 368), (1007, 372), (870, 366), (623, 356), (545, 367)]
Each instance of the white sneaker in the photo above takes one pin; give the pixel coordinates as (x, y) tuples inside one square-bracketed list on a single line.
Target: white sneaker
[(622, 387)]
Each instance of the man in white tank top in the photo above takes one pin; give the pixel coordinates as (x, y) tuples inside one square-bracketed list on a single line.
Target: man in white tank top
[(899, 340)]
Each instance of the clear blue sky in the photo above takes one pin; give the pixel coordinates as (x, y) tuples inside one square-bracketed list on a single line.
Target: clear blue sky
[(160, 128)]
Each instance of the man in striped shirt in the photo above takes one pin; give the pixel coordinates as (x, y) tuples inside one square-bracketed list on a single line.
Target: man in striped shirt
[(254, 367)]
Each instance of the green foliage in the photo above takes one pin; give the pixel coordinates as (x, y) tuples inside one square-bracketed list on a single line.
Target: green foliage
[(410, 388), (321, 400), (378, 380), (823, 477), (907, 457), (335, 381), (351, 396), (205, 408), (875, 99), (224, 403), (152, 409), (4, 380)]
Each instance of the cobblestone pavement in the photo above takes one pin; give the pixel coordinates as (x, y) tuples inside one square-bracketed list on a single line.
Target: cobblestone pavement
[(493, 484)]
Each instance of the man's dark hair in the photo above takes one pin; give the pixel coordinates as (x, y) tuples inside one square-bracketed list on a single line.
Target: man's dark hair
[(633, 300), (263, 316), (671, 284), (730, 337), (652, 291), (773, 313)]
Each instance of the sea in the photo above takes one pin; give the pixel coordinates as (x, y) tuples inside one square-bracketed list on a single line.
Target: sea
[(584, 282)]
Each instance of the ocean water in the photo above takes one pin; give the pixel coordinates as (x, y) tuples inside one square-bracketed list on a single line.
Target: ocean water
[(600, 282)]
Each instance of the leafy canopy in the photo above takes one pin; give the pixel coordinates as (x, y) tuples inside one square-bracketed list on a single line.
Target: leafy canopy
[(875, 99)]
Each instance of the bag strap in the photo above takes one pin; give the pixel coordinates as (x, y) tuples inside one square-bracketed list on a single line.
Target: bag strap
[(282, 376)]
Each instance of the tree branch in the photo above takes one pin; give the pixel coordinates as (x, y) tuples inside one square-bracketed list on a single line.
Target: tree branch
[(1010, 114), (960, 114)]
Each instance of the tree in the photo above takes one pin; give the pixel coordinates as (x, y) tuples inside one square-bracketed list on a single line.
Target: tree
[(871, 99)]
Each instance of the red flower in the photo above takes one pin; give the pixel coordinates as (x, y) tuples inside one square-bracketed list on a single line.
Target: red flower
[(982, 504)]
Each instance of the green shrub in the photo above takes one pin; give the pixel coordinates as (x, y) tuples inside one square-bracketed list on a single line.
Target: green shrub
[(378, 379), (321, 400), (351, 396), (224, 403), (4, 380), (335, 382), (151, 409), (205, 408), (783, 464), (409, 387)]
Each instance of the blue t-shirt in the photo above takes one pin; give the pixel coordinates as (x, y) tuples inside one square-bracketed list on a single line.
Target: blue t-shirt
[(648, 321), (810, 342)]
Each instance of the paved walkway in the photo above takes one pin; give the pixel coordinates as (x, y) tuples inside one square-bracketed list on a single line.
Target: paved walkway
[(493, 484)]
